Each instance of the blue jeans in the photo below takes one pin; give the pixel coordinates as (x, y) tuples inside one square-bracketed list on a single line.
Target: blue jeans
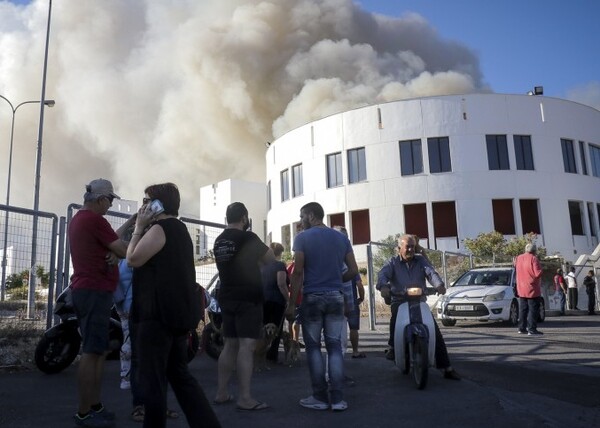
[(324, 312), (563, 302), (528, 313)]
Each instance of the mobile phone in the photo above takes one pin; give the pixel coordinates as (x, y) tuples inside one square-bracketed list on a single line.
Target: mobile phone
[(156, 207)]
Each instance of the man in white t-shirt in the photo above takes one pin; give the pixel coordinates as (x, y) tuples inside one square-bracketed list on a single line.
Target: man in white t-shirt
[(572, 288)]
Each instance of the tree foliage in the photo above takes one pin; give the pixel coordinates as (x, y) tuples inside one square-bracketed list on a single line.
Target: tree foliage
[(385, 251), (492, 247)]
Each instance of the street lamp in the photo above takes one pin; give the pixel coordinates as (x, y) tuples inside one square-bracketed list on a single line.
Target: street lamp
[(49, 103)]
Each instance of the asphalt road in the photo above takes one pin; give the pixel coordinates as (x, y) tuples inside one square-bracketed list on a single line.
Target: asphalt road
[(509, 380)]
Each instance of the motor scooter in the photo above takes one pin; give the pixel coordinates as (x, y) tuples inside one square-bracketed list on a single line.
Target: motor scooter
[(59, 345), (414, 337)]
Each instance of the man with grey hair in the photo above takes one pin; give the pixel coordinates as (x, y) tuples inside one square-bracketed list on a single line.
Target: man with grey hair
[(529, 277), (95, 248)]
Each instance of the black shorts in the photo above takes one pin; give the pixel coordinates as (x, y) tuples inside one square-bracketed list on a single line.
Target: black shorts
[(92, 308), (242, 319)]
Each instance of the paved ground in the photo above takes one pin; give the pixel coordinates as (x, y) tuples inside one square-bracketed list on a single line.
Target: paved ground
[(508, 381)]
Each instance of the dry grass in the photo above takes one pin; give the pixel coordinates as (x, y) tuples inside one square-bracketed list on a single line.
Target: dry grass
[(18, 338)]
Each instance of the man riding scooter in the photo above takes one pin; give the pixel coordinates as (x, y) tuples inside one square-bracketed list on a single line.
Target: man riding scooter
[(408, 269)]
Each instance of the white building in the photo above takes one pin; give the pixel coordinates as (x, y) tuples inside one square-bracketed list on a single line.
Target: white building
[(445, 168), (215, 198)]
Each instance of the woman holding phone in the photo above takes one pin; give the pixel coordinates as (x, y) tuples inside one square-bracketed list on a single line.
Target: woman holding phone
[(164, 280)]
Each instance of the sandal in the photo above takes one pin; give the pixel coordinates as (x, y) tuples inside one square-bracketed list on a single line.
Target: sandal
[(138, 414), (172, 414)]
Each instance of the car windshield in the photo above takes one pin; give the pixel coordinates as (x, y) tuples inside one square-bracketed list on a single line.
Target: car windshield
[(484, 277)]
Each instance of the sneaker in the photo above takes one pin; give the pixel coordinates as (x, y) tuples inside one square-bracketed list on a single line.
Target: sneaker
[(105, 414), (534, 333), (522, 331), (451, 374), (92, 420), (339, 406), (312, 403)]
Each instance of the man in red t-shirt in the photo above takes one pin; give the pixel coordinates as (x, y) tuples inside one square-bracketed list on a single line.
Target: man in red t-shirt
[(95, 248)]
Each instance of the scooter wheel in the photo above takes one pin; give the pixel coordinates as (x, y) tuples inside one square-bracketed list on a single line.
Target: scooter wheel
[(53, 355), (420, 361)]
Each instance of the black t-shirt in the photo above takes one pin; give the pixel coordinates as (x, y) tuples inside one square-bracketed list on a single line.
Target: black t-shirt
[(237, 254), (163, 288)]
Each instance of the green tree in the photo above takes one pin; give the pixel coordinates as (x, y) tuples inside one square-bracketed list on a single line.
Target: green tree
[(42, 275), (516, 245), (487, 246)]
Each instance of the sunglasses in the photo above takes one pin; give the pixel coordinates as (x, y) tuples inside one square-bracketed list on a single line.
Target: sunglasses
[(110, 198)]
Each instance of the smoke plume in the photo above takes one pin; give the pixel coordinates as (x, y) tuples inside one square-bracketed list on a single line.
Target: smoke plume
[(189, 91)]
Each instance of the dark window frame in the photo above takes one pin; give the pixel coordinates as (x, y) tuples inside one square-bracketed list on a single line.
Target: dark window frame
[(568, 152), (284, 180), (440, 160), (337, 178), (523, 152), (357, 165), (411, 157), (497, 152), (594, 152), (297, 180)]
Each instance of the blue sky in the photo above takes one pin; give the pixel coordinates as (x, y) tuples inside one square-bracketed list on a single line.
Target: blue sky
[(520, 43)]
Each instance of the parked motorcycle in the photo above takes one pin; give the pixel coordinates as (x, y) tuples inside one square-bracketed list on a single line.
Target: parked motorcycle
[(212, 334), (414, 337), (59, 346)]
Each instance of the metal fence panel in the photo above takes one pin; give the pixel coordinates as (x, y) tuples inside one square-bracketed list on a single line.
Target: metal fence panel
[(16, 236)]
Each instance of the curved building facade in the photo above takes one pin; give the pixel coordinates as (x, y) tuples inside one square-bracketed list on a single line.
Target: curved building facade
[(445, 168)]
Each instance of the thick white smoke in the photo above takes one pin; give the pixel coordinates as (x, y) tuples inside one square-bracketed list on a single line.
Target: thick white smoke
[(189, 91)]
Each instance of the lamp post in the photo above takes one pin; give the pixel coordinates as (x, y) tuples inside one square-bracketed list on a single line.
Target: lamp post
[(38, 176), (49, 103)]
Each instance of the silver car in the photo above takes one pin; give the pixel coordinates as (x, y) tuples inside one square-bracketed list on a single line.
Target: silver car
[(483, 294)]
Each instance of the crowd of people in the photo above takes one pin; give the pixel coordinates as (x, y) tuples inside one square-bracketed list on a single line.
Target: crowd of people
[(146, 268)]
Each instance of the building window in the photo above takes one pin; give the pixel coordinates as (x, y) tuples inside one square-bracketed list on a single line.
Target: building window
[(297, 181), (523, 152), (411, 157), (285, 185), (415, 220), (595, 160), (530, 218), (357, 165), (269, 195), (576, 218), (439, 155), (593, 228), (338, 219), (286, 238), (584, 169), (334, 170), (361, 227), (444, 219), (497, 152), (568, 155), (504, 218)]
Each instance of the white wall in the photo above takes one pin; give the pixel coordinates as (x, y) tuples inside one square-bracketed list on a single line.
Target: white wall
[(465, 120)]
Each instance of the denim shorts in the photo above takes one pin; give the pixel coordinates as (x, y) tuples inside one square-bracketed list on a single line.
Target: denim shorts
[(92, 308), (354, 317)]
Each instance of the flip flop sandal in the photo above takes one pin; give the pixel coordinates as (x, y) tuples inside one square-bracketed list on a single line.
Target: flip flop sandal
[(259, 406)]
